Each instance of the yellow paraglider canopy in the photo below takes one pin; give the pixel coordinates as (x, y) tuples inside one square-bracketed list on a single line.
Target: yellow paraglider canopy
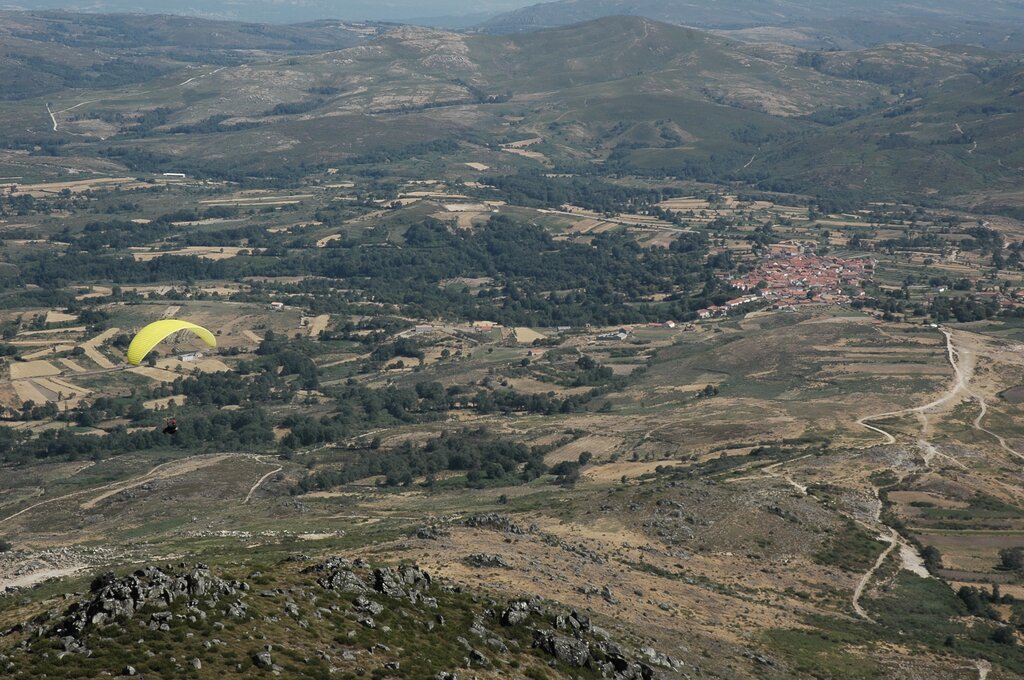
[(153, 334)]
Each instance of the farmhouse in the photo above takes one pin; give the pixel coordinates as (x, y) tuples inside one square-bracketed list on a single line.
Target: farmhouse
[(737, 302), (712, 311)]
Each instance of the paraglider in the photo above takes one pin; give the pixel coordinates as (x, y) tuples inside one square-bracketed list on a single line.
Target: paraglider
[(155, 333)]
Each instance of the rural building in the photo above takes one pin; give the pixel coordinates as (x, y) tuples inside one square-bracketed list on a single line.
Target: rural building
[(710, 312)]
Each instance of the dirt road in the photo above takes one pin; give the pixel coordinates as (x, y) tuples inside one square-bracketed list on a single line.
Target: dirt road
[(174, 468), (962, 359), (262, 479)]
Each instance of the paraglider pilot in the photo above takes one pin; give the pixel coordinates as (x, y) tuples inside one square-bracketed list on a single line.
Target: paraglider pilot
[(172, 426)]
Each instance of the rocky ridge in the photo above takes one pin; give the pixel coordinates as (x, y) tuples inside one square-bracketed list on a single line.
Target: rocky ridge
[(387, 618)]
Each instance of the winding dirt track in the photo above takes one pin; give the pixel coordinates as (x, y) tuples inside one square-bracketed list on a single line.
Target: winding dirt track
[(52, 117), (962, 362), (959, 386), (894, 540), (261, 479)]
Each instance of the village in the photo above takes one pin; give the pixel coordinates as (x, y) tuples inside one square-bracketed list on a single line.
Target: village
[(794, 275)]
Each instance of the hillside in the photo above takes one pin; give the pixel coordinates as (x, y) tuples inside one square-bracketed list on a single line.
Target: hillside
[(49, 51), (932, 143)]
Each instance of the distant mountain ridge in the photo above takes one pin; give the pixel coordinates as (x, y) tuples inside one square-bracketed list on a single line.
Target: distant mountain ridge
[(622, 94), (158, 30), (843, 23), (279, 11), (46, 51)]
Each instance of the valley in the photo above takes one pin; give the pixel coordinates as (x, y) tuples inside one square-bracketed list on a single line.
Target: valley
[(615, 350)]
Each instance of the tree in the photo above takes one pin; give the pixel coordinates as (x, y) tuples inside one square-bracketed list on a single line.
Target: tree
[(1004, 635), (5, 545), (932, 558), (585, 458), (1011, 559), (567, 473)]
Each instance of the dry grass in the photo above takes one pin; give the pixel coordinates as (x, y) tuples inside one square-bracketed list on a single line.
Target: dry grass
[(53, 331), (318, 324), (32, 369), (600, 446), (78, 186), (28, 391), (55, 316), (526, 336), (46, 352), (72, 365), (205, 252), (166, 402)]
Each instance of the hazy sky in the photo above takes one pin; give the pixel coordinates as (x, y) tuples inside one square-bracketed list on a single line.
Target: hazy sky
[(285, 10)]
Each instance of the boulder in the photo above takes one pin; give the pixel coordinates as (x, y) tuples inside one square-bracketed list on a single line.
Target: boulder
[(515, 613), (482, 560), (497, 522), (571, 652)]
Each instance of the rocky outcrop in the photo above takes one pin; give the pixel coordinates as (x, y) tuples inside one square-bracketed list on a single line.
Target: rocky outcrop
[(433, 532), (481, 560), (337, 574), (407, 582), (373, 600), (112, 599), (601, 656), (498, 523)]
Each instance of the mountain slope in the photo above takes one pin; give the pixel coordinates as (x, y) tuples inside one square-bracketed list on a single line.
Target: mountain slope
[(956, 134)]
